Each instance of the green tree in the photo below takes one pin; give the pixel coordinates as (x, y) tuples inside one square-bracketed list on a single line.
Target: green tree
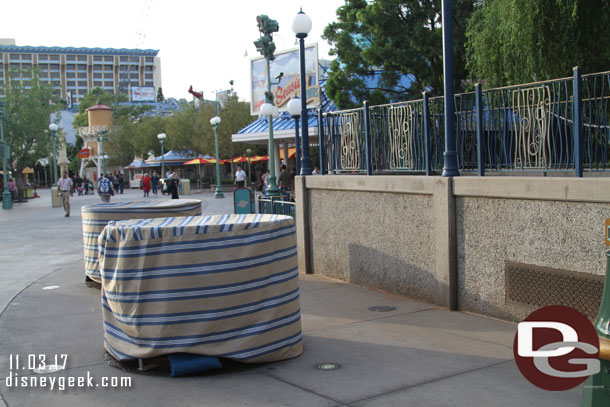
[(28, 107), (393, 38), (520, 41)]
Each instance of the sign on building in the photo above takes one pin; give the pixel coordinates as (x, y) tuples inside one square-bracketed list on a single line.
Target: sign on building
[(286, 62), (143, 94)]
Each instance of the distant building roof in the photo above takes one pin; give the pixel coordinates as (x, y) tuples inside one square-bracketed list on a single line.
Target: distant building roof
[(81, 50)]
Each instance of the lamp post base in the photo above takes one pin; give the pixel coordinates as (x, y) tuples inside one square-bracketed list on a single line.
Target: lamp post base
[(218, 193), (7, 200)]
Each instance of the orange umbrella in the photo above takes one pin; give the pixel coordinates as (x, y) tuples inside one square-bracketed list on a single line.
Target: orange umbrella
[(240, 159), (204, 161), (291, 153), (257, 158)]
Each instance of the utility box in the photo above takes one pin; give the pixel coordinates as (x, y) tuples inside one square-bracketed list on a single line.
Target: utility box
[(55, 198), (243, 200)]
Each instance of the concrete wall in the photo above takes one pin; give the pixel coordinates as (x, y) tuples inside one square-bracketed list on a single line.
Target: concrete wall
[(446, 240)]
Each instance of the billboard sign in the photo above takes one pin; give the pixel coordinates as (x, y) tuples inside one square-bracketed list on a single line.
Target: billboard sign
[(143, 94), (286, 62)]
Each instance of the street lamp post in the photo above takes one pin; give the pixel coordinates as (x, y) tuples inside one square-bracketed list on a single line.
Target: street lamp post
[(294, 108), (53, 127), (248, 151), (266, 47), (105, 158), (301, 25), (161, 138), (7, 199), (215, 121)]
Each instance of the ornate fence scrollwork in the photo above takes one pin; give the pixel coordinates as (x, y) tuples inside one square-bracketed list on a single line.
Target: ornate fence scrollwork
[(401, 129), (350, 128), (531, 118)]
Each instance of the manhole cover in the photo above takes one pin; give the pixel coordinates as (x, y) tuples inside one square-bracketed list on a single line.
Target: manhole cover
[(382, 308), (48, 369), (328, 366)]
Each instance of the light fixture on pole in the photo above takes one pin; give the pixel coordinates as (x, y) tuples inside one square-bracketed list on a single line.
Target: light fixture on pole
[(161, 137), (249, 152), (7, 199), (301, 25), (266, 47), (53, 127), (105, 158), (294, 108), (215, 121)]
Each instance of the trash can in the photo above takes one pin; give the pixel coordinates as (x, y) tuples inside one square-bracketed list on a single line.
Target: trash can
[(243, 201), (55, 198), (185, 187)]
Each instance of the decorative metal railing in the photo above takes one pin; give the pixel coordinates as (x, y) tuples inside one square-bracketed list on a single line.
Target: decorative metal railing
[(534, 126), (277, 207)]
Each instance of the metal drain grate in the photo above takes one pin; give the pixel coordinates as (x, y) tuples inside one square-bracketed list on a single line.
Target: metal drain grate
[(533, 286)]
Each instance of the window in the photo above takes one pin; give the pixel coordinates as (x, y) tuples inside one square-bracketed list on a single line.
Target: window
[(15, 56), (150, 60), (109, 58), (55, 66), (82, 75), (108, 68), (54, 57), (81, 68), (123, 59), (98, 58), (97, 67), (26, 57), (123, 68), (70, 83), (43, 57), (82, 83), (70, 67), (133, 68), (148, 84), (108, 75), (54, 74), (148, 76), (97, 75), (148, 69), (70, 75), (70, 57), (98, 83), (81, 58)]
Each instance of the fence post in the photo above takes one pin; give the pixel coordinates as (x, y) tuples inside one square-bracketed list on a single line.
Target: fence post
[(331, 140), (367, 138), (321, 141), (427, 146), (480, 141), (577, 122)]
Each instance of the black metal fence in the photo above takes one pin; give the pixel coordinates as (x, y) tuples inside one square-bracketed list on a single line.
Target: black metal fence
[(534, 126)]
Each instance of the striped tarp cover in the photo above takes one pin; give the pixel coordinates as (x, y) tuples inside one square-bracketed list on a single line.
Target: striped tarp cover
[(223, 285), (96, 217)]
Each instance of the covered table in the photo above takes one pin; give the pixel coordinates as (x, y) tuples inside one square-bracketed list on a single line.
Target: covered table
[(96, 217), (224, 286)]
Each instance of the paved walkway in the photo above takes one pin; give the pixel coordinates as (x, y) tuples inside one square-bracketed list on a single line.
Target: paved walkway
[(415, 355)]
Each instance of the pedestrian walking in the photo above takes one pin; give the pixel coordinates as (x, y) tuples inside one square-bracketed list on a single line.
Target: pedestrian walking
[(173, 184), (154, 182), (121, 178), (145, 182), (104, 188), (240, 177), (65, 190)]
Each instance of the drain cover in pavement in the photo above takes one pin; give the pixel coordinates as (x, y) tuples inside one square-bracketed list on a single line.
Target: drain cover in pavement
[(48, 369), (382, 308), (328, 366)]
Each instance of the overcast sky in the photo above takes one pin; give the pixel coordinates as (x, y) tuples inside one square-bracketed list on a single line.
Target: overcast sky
[(200, 43)]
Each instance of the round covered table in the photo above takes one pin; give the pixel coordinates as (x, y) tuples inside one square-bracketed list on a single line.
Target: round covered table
[(96, 217), (224, 286)]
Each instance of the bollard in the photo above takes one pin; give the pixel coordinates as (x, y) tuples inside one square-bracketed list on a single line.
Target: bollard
[(597, 387)]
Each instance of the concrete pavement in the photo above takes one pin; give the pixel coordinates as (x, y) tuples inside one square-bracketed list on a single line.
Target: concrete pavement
[(414, 355)]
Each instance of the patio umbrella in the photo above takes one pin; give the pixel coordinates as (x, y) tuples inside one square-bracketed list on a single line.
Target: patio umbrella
[(257, 158), (240, 159)]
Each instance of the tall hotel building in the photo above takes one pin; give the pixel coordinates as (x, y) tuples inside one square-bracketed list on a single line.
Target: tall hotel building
[(75, 71)]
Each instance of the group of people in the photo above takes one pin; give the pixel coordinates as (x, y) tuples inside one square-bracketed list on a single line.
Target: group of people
[(170, 185)]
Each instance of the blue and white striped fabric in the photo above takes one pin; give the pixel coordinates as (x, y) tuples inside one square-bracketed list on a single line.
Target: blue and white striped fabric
[(223, 286), (96, 217)]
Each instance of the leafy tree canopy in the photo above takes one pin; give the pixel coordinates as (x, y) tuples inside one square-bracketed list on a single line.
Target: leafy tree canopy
[(28, 107), (520, 41), (395, 38)]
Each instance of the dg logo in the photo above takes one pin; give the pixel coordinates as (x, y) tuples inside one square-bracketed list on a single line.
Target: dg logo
[(556, 348)]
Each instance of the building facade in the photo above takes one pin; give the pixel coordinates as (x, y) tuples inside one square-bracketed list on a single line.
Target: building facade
[(75, 71)]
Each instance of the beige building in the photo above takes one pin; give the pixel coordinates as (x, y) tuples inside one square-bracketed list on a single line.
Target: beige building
[(75, 71)]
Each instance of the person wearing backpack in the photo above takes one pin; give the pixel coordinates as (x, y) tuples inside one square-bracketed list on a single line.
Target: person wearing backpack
[(104, 188)]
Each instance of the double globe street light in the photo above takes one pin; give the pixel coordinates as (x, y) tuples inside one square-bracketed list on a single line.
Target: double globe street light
[(301, 25)]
